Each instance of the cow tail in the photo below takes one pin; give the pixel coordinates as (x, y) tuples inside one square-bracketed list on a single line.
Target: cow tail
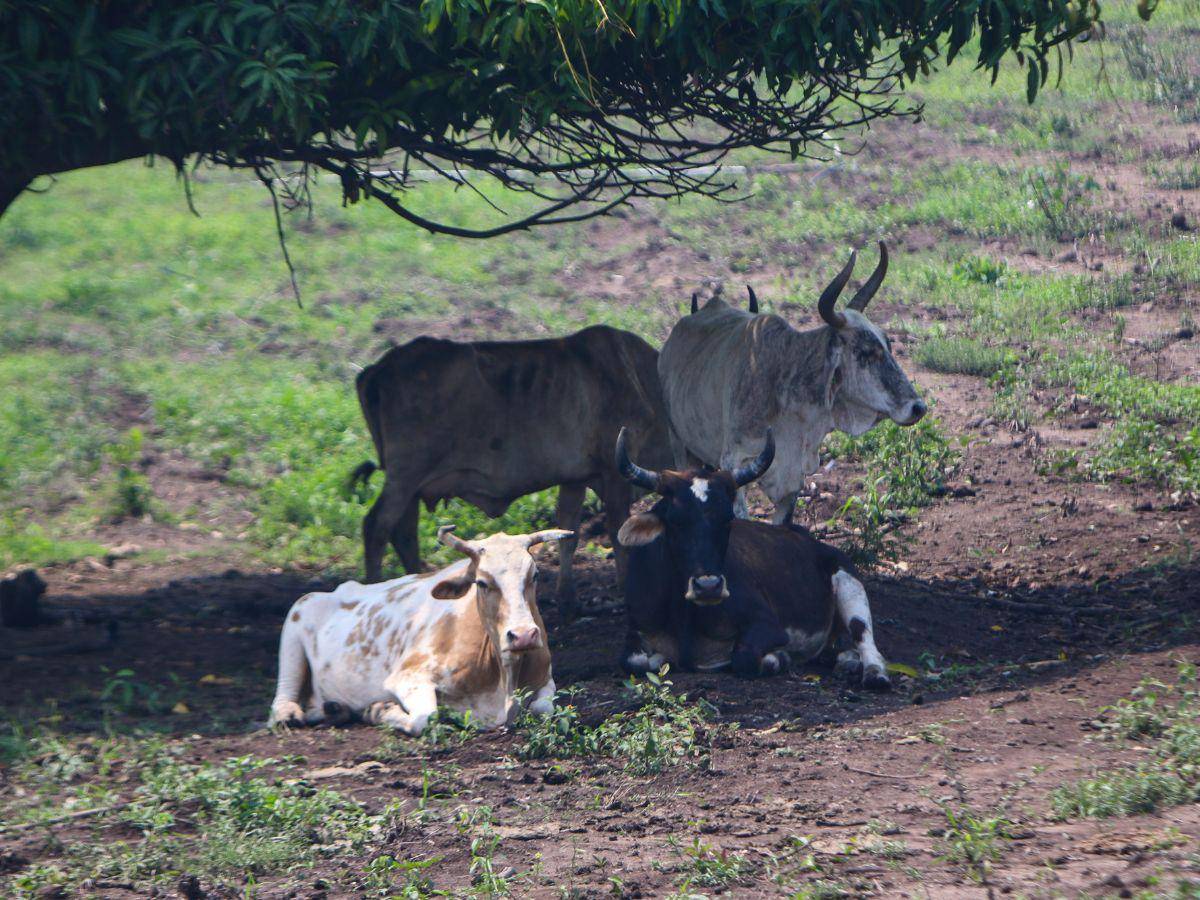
[(368, 400), (362, 473)]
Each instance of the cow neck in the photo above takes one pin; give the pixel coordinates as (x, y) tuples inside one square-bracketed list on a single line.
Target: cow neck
[(488, 661)]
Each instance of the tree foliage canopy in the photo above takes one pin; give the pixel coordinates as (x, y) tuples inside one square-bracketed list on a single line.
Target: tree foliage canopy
[(601, 99)]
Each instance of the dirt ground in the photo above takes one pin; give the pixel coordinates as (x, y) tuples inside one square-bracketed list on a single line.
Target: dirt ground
[(1042, 601)]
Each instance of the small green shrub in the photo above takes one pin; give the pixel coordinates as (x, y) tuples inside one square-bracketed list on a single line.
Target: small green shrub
[(662, 730), (132, 494), (704, 865), (974, 839), (963, 356), (981, 269), (1066, 201)]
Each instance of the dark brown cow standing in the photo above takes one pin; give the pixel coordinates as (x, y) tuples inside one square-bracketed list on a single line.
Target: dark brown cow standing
[(491, 421)]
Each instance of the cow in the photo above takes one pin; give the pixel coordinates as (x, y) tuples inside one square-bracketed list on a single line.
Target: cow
[(728, 375), (706, 590), (490, 421), (752, 306), (467, 636)]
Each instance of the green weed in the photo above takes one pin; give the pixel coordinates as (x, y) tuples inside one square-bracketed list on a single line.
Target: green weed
[(706, 866), (973, 839), (662, 730), (1166, 720)]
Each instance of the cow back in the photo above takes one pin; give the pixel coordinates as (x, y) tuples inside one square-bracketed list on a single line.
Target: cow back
[(785, 570), (503, 418)]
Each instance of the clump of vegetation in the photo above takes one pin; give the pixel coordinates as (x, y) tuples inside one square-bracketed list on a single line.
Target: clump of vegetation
[(704, 865), (1146, 443), (963, 356), (1166, 75), (981, 269), (1163, 718), (974, 839), (132, 494), (237, 818), (914, 463), (662, 730), (1065, 200)]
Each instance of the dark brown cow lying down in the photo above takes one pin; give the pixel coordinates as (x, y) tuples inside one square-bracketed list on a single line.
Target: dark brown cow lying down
[(491, 421), (705, 590)]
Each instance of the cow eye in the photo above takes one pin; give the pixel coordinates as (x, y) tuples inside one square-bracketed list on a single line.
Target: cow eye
[(481, 584)]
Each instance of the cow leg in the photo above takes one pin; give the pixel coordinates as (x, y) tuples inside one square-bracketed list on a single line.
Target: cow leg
[(404, 537), (785, 507), (384, 516), (567, 515), (618, 497), (760, 650), (294, 677), (410, 712), (855, 613)]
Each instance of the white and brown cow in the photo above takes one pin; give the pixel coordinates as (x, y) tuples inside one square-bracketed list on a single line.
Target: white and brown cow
[(467, 636)]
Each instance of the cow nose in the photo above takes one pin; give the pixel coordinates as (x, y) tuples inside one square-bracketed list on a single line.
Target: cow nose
[(708, 583), (524, 639), (916, 411)]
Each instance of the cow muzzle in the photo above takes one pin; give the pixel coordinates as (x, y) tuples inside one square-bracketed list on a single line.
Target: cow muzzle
[(523, 639), (912, 413), (707, 590)]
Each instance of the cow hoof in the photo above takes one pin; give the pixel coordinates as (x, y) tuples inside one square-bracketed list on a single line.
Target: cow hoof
[(776, 663), (849, 666), (640, 663), (286, 713), (876, 679)]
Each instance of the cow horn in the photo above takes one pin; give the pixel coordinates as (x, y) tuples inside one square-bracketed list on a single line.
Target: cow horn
[(550, 534), (743, 475), (631, 471), (695, 304), (867, 291), (455, 543), (830, 294), (753, 299)]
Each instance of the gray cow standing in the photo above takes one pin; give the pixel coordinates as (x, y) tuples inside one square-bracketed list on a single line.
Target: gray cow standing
[(728, 375)]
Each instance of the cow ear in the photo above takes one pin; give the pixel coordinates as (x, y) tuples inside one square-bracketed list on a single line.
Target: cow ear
[(640, 529), (455, 588)]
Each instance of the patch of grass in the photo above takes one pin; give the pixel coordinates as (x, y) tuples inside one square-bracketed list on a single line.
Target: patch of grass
[(132, 496), (1165, 72), (23, 542), (227, 820), (1165, 719), (963, 356), (1066, 201), (1180, 176), (704, 865), (1152, 441), (973, 839), (662, 730)]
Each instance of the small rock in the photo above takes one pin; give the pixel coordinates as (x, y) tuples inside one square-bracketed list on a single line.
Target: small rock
[(1089, 424), (1179, 221), (1185, 334), (1143, 506)]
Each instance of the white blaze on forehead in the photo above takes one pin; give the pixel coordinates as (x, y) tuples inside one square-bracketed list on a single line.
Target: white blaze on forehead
[(700, 489)]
